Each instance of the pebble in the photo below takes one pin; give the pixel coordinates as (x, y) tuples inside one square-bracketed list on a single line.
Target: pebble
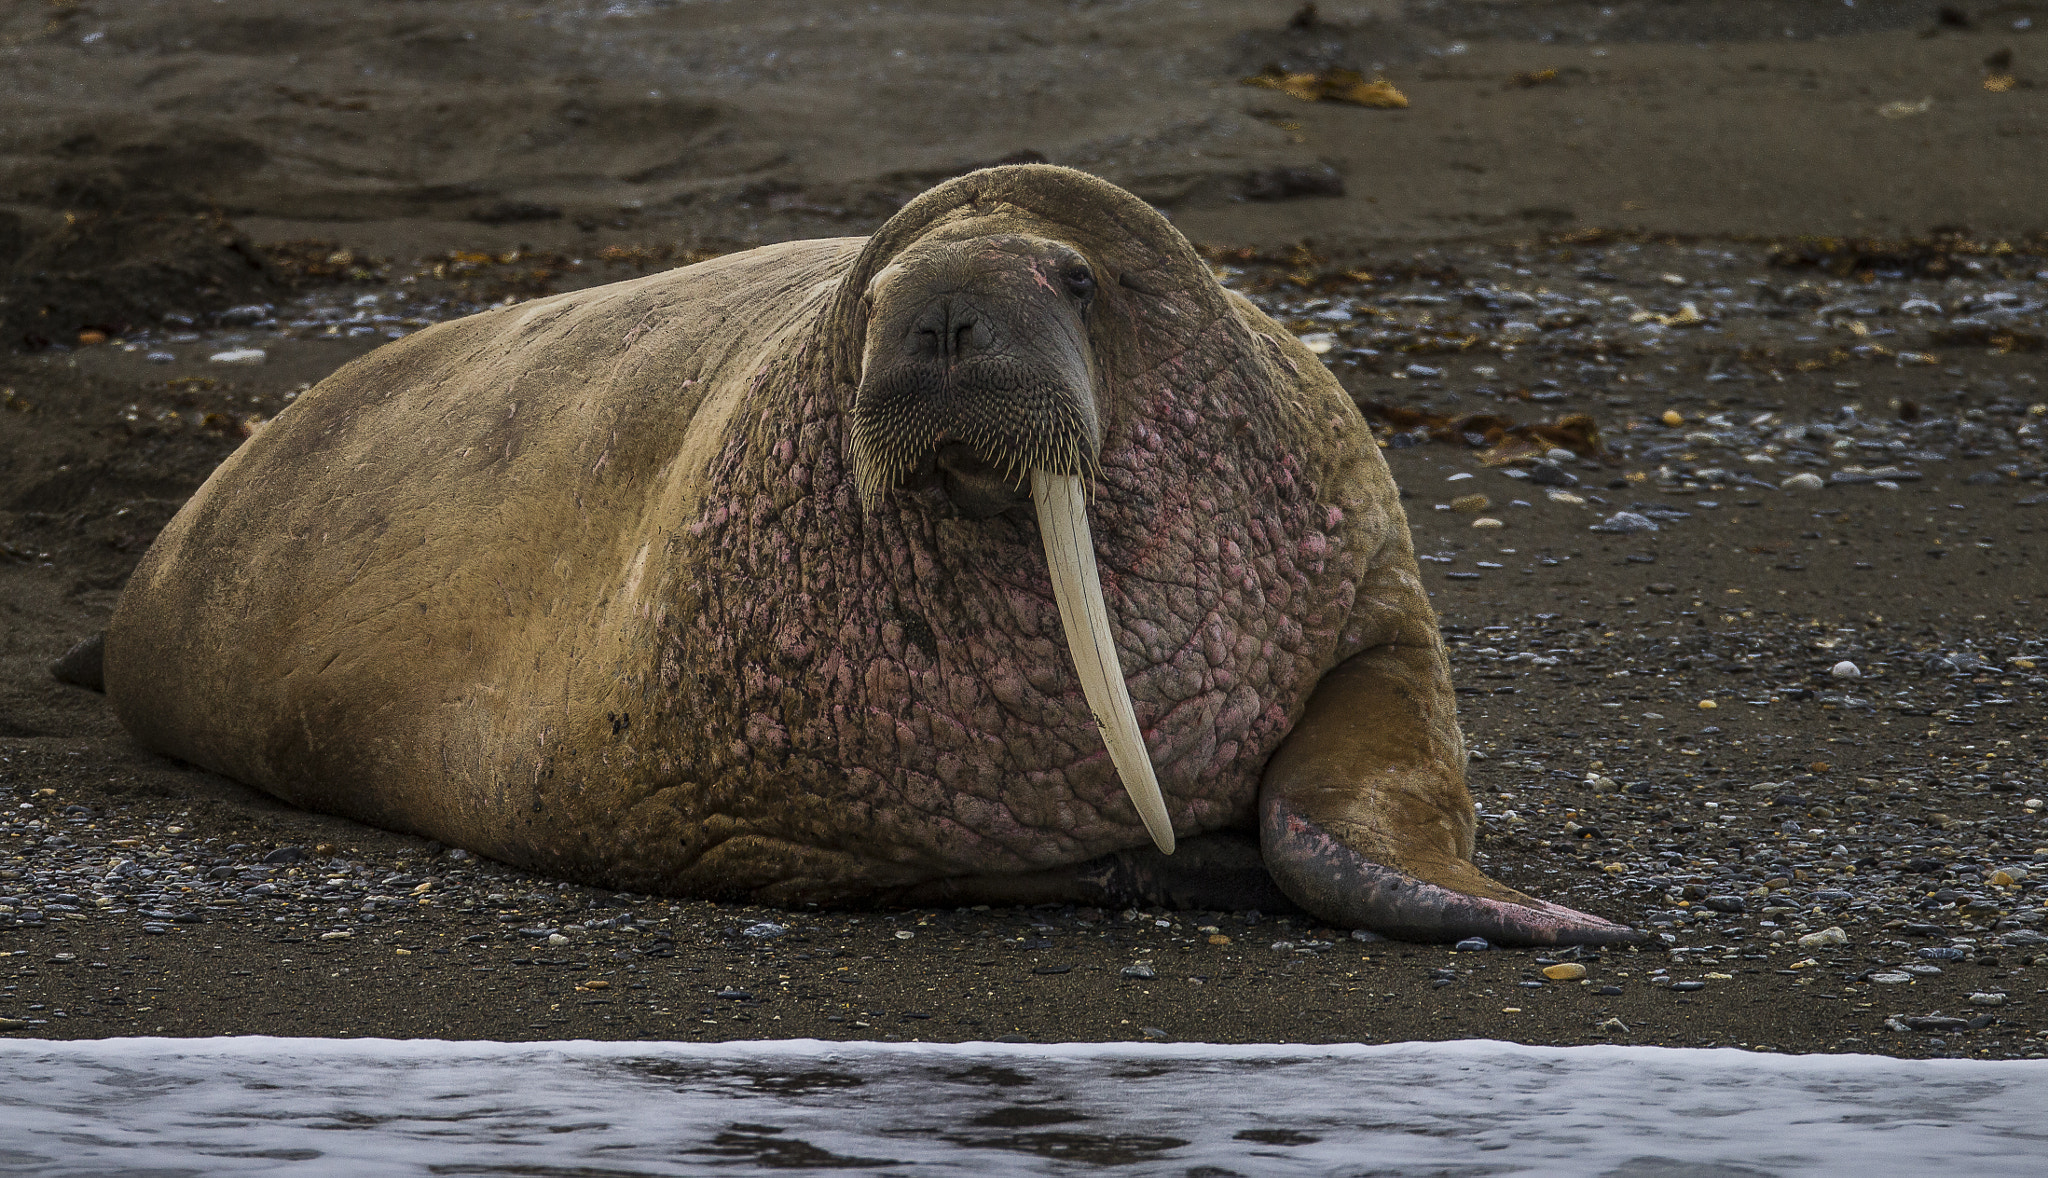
[(1846, 670), (1890, 978), (1564, 971), (1471, 503), (1987, 998), (1832, 935), (239, 356), (1140, 972), (1802, 482), (1487, 521), (1625, 523), (1473, 945)]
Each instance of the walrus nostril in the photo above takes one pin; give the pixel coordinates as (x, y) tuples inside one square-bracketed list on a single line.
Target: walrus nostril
[(951, 329)]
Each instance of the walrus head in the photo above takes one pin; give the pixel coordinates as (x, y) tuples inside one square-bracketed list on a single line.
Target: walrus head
[(976, 371), (977, 380)]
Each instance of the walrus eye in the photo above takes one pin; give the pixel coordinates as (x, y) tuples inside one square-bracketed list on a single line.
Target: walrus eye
[(1080, 283)]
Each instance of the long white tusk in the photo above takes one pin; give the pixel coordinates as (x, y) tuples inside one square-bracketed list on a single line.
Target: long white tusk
[(1070, 552)]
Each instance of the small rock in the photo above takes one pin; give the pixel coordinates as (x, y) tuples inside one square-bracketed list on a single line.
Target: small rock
[(161, 357), (1470, 503), (1802, 482), (1827, 936), (1473, 945), (1154, 1033), (1143, 973), (1663, 588), (1487, 521), (1890, 978), (1932, 1022), (904, 934), (1625, 523), (766, 930), (1734, 905), (239, 356), (1688, 986), (1361, 934), (736, 995), (1846, 670), (557, 939), (1615, 1025), (1564, 971), (1672, 417), (1984, 998)]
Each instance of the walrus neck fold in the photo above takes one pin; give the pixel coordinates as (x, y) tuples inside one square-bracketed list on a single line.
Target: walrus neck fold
[(1070, 554)]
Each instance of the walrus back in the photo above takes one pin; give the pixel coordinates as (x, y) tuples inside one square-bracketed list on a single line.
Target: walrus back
[(368, 608)]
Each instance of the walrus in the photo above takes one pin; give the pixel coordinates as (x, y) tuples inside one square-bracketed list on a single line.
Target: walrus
[(996, 557)]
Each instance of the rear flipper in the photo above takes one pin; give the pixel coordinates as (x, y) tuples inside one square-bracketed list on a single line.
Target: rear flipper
[(80, 666), (1448, 900), (1215, 871), (1364, 819)]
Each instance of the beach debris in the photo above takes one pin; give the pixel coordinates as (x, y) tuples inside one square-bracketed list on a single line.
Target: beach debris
[(1331, 85)]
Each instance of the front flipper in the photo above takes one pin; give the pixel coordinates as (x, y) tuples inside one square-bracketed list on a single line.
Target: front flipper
[(1365, 822)]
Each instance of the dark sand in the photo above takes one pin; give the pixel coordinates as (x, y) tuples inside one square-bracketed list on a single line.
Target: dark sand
[(152, 161)]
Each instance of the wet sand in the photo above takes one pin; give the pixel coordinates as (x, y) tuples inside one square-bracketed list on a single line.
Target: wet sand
[(404, 156)]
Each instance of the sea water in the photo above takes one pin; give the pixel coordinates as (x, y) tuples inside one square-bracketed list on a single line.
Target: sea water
[(259, 1105)]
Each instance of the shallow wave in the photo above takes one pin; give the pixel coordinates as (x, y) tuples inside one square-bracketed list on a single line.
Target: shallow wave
[(257, 1105)]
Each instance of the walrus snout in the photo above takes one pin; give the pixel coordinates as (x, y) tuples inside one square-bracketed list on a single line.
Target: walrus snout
[(977, 365)]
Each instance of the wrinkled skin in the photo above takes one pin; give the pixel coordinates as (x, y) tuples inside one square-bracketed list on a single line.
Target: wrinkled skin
[(727, 582)]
